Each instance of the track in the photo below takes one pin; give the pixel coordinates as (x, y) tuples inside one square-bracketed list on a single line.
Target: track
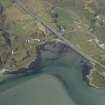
[(34, 16)]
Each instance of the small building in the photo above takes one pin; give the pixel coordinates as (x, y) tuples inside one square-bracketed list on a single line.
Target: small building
[(102, 46), (61, 28)]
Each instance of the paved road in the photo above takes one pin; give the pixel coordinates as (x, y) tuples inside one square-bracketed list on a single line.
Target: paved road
[(21, 5)]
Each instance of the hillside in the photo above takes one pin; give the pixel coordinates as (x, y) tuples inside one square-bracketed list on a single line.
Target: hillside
[(20, 34)]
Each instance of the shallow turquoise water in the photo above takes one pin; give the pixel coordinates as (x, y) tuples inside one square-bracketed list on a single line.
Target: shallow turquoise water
[(68, 69)]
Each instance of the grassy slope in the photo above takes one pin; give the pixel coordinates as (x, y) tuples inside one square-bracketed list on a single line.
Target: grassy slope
[(22, 27), (77, 30)]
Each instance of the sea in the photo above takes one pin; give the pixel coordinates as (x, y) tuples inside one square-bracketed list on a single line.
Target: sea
[(67, 68)]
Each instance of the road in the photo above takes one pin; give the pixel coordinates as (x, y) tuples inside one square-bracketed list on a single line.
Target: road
[(34, 16)]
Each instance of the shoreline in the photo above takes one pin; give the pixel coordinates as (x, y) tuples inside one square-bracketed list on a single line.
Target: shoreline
[(37, 64), (89, 77), (33, 68)]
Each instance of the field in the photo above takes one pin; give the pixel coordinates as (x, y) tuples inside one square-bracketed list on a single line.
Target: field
[(76, 30)]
